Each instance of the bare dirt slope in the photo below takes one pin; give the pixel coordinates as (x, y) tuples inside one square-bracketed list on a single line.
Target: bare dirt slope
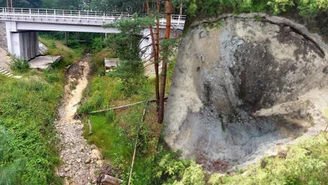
[(80, 160), (244, 86), (5, 60)]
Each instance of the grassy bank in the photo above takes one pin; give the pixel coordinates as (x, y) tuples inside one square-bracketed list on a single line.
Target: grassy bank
[(28, 109), (114, 132)]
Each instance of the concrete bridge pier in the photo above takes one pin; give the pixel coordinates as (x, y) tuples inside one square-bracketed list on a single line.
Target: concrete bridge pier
[(22, 44)]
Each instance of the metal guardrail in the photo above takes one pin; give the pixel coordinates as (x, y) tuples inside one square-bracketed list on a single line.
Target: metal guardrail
[(79, 16)]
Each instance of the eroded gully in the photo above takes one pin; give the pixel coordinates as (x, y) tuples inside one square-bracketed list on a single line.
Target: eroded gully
[(80, 161)]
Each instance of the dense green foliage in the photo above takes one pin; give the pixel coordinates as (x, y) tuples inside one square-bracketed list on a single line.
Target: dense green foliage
[(131, 74), (89, 41), (61, 4), (131, 6), (169, 170), (214, 7), (98, 44), (19, 65), (27, 112), (115, 131), (23, 3), (126, 45), (28, 108)]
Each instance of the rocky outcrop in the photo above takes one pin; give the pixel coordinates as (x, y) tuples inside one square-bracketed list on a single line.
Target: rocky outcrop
[(244, 85)]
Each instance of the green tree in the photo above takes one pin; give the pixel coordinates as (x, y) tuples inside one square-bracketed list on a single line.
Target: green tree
[(22, 3), (312, 7), (131, 6), (126, 45)]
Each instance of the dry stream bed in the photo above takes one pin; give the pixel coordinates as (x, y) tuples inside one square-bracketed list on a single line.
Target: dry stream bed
[(80, 161)]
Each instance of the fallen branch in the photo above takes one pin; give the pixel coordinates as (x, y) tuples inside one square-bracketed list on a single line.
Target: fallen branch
[(115, 108), (136, 142), (121, 107), (90, 127)]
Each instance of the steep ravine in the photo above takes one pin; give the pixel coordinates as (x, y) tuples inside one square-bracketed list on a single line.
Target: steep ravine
[(243, 87), (80, 160)]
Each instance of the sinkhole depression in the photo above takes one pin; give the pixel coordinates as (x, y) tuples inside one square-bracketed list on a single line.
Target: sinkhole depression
[(243, 86)]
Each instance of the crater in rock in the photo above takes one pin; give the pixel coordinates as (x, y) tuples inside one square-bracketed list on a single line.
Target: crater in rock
[(243, 90)]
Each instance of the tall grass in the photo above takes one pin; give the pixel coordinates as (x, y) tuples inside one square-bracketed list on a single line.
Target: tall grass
[(28, 109), (27, 112), (115, 131), (19, 65)]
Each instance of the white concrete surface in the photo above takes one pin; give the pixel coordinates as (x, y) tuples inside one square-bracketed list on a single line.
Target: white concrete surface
[(43, 62)]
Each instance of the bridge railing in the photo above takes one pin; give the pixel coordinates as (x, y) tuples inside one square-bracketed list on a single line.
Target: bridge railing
[(58, 13), (81, 15)]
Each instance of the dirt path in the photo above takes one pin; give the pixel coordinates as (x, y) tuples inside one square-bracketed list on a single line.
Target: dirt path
[(80, 160)]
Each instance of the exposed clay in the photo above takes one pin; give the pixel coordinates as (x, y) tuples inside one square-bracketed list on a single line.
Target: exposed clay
[(244, 89), (80, 160)]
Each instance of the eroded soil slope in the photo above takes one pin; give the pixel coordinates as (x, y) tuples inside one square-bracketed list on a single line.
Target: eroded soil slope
[(243, 87)]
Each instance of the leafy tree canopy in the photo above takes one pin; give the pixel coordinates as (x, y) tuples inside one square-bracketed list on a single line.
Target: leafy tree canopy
[(212, 7), (131, 6), (23, 3)]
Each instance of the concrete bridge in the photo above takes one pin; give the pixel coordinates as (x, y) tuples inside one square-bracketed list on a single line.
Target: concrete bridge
[(22, 25)]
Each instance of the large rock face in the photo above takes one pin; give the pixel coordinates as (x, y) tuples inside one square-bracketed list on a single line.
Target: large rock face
[(243, 86)]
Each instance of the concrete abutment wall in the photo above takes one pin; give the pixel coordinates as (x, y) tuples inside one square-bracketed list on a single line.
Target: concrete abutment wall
[(22, 44)]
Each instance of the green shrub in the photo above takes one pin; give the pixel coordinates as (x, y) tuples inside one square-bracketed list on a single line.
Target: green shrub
[(312, 7), (27, 112), (308, 8), (73, 44), (170, 170), (19, 65), (279, 6), (131, 75), (11, 165), (98, 44)]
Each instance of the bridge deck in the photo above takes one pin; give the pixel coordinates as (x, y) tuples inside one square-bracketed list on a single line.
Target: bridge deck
[(79, 17)]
